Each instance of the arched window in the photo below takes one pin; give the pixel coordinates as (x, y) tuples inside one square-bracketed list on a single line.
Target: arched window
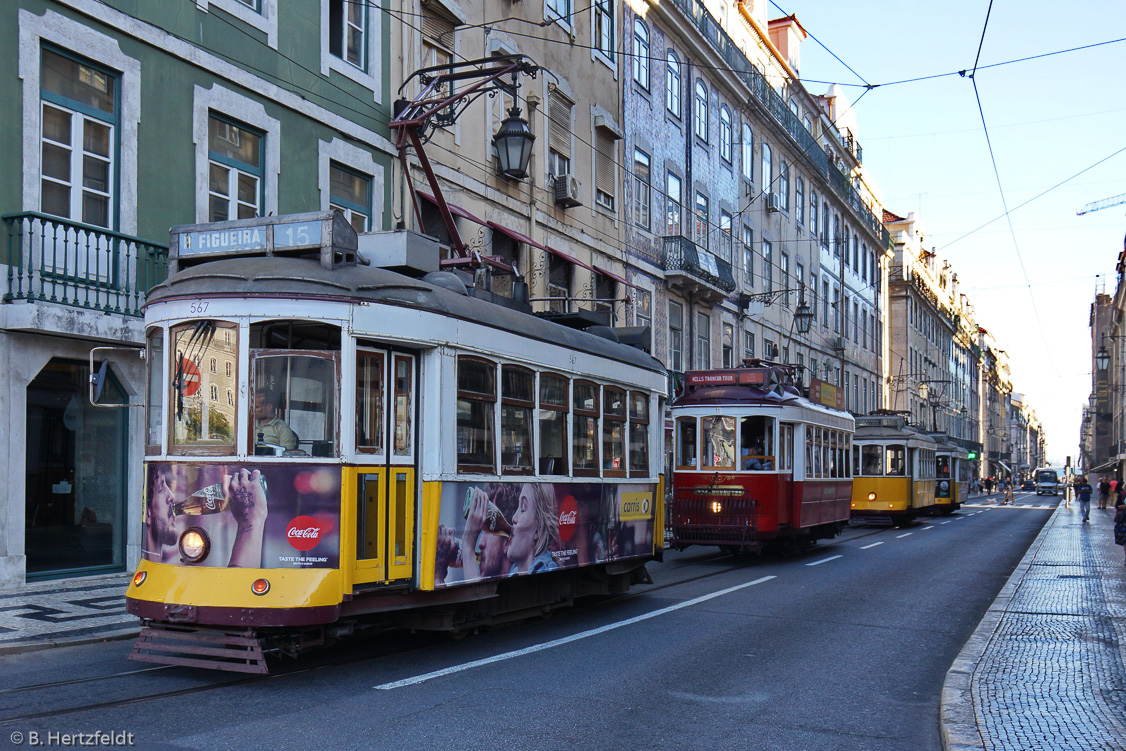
[(701, 110), (672, 85), (641, 54), (748, 149), (725, 134)]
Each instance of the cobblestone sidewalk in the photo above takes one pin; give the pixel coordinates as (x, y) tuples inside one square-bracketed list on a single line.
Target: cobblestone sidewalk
[(1045, 670), (72, 611)]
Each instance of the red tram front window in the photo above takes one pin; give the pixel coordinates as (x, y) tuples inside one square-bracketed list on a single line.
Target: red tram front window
[(717, 436), (686, 443), (756, 443)]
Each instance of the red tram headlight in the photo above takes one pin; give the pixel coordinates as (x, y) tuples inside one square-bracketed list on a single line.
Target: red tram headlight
[(260, 586), (194, 545), (139, 578)]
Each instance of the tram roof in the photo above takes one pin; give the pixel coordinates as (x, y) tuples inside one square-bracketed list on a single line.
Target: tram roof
[(886, 433), (303, 278)]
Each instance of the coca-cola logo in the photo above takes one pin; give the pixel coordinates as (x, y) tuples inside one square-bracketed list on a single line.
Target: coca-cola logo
[(303, 533), (568, 517)]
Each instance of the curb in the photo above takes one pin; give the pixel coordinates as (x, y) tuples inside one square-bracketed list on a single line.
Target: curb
[(957, 715), (116, 634)]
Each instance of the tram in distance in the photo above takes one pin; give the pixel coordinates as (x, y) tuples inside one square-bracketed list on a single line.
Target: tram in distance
[(756, 462), (952, 477), (895, 480), (333, 447)]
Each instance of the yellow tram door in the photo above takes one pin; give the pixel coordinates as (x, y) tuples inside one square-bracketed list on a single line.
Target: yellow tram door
[(384, 501)]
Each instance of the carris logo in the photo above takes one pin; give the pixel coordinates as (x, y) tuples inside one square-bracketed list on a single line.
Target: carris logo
[(303, 533)]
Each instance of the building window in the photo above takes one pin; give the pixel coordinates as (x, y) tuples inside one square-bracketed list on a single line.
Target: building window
[(799, 201), (641, 54), (559, 284), (784, 185), (799, 277), (767, 266), (748, 345), (825, 303), (347, 23), (672, 85), (784, 274), (604, 162), (676, 336), (767, 170), (701, 111), (725, 134), (350, 193), (769, 349), (559, 110), (643, 191), (749, 256), (560, 9), (702, 220), (78, 140), (725, 239), (604, 27), (235, 164), (836, 310), (748, 149), (703, 340), (728, 345), (674, 202), (813, 212)]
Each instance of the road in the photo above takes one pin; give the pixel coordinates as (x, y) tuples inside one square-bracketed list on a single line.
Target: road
[(843, 647)]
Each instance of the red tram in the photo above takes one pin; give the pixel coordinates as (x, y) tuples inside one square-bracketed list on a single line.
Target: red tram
[(756, 462)]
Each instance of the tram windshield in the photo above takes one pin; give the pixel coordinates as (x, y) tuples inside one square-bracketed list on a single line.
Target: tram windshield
[(872, 460), (204, 387), (942, 467), (294, 388), (718, 434), (896, 460), (756, 441)]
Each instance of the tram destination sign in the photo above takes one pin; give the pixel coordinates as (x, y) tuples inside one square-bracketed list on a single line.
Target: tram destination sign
[(826, 394), (327, 231)]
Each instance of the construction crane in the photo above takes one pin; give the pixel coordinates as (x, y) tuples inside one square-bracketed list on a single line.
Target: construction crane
[(1106, 203)]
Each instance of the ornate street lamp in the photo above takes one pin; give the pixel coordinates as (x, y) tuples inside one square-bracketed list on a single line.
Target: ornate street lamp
[(1102, 358), (513, 143), (803, 316)]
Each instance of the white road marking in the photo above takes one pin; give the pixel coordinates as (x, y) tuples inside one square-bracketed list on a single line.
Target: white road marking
[(958, 518), (945, 522), (825, 560), (871, 546), (905, 534), (926, 528), (567, 639)]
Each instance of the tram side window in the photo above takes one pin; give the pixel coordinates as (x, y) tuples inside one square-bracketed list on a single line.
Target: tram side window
[(613, 432), (872, 460), (585, 427), (834, 458), (202, 423), (476, 400), (810, 437), (155, 398), (686, 443), (404, 409), (850, 463), (717, 436), (554, 405), (638, 434), (370, 420), (518, 399), (786, 447), (294, 403), (756, 442), (896, 461)]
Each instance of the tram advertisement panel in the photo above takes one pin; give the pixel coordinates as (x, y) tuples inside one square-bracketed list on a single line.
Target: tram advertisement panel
[(245, 515), (497, 529)]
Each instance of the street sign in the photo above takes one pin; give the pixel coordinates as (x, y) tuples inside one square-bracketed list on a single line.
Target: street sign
[(187, 380)]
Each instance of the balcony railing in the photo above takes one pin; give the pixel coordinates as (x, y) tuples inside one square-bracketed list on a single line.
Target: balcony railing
[(770, 99), (50, 259), (681, 254)]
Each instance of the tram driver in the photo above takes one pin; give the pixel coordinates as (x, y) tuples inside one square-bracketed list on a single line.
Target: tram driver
[(268, 427)]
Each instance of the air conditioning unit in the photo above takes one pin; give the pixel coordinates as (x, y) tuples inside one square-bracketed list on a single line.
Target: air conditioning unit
[(567, 191), (838, 343), (772, 203)]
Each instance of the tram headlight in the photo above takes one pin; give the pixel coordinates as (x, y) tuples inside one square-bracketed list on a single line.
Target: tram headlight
[(260, 586), (194, 545), (871, 496), (139, 578), (717, 507)]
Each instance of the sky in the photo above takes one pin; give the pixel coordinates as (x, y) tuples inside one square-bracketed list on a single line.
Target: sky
[(1031, 274)]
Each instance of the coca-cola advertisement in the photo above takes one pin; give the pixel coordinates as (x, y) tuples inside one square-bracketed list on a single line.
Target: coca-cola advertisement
[(498, 529), (244, 515)]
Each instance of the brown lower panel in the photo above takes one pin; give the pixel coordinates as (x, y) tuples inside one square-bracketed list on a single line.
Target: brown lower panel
[(242, 617)]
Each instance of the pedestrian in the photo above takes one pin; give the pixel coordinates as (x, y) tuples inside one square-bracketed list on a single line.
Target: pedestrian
[(1104, 492), (1120, 521), (1083, 495), (1008, 492)]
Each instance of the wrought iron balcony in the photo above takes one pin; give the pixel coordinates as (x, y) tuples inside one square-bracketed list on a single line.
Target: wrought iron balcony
[(50, 259), (696, 270)]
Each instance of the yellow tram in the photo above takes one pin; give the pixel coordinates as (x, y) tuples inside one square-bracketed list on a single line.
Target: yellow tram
[(952, 478), (334, 446), (895, 479)]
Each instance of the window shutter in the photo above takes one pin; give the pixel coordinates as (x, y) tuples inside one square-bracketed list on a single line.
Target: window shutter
[(559, 114), (604, 166), (438, 29)]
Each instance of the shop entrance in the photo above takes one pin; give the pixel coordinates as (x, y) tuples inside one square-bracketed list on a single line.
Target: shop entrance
[(76, 469)]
